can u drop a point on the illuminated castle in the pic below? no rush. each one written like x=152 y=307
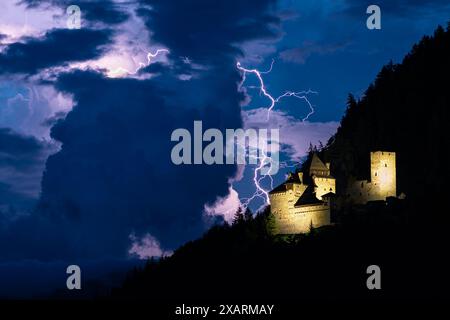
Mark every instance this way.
x=304 y=199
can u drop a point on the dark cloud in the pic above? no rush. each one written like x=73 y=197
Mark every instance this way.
x=17 y=150
x=56 y=48
x=22 y=159
x=208 y=30
x=113 y=176
x=12 y=204
x=105 y=11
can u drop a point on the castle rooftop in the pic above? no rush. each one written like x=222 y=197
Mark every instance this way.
x=317 y=164
x=308 y=198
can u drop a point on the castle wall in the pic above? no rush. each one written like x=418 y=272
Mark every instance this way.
x=361 y=191
x=279 y=203
x=324 y=185
x=283 y=202
x=298 y=220
x=383 y=180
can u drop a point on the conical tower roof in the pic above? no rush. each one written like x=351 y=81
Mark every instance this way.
x=317 y=164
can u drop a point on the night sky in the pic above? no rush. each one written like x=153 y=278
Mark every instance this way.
x=85 y=117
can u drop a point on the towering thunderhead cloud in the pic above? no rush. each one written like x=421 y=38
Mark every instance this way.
x=113 y=176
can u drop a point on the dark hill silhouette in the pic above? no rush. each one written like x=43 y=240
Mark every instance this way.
x=405 y=110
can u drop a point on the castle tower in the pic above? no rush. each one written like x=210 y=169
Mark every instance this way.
x=383 y=174
x=317 y=167
x=320 y=173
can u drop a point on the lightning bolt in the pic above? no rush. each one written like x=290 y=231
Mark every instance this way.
x=260 y=192
x=150 y=56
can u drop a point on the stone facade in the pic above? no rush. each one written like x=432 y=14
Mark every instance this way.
x=297 y=205
x=382 y=183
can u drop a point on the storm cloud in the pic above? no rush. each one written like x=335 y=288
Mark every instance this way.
x=56 y=48
x=105 y=11
x=22 y=159
x=209 y=31
x=113 y=176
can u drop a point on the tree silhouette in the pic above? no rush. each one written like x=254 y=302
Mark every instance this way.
x=238 y=216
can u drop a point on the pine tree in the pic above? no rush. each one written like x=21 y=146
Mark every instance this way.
x=270 y=222
x=312 y=230
x=238 y=216
x=248 y=215
x=351 y=102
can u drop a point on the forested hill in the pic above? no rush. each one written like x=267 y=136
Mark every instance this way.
x=405 y=110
